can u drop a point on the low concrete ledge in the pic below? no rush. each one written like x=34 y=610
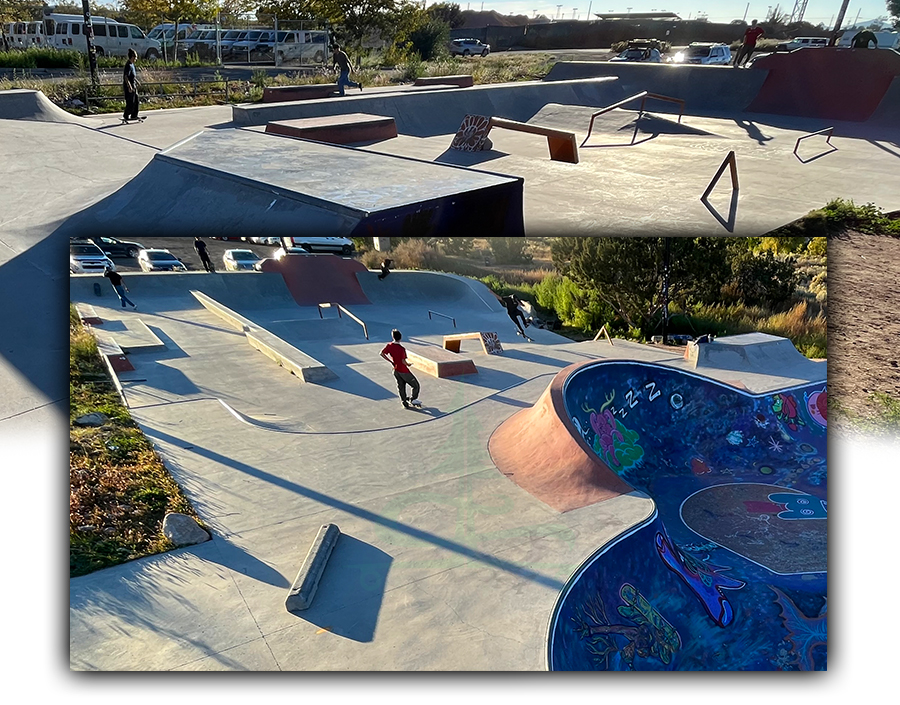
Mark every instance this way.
x=438 y=362
x=111 y=350
x=312 y=91
x=235 y=320
x=304 y=367
x=305 y=585
x=88 y=315
x=462 y=81
x=290 y=358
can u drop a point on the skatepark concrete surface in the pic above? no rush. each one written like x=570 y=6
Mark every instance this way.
x=443 y=563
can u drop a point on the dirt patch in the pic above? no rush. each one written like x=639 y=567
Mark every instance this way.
x=864 y=328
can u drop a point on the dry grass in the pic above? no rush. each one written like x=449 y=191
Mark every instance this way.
x=119 y=489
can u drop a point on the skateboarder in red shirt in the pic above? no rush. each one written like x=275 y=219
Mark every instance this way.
x=749 y=44
x=396 y=355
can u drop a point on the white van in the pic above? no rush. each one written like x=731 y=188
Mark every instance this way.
x=306 y=46
x=886 y=40
x=111 y=38
x=23 y=35
x=705 y=53
x=802 y=43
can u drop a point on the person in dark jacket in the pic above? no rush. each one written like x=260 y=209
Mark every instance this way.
x=200 y=246
x=129 y=87
x=118 y=286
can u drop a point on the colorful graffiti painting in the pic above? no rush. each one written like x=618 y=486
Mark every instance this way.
x=731 y=571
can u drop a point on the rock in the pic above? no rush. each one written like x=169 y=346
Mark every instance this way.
x=183 y=530
x=95 y=419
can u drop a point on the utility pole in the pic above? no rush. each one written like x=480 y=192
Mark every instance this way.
x=89 y=37
x=589 y=10
x=746 y=10
x=837 y=24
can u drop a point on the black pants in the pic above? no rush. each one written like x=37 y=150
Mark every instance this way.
x=384 y=273
x=404 y=378
x=515 y=315
x=131 y=106
x=207 y=263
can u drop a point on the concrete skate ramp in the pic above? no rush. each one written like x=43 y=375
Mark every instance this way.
x=234 y=182
x=706 y=90
x=319 y=279
x=417 y=288
x=238 y=290
x=888 y=111
x=829 y=83
x=733 y=564
x=440 y=112
x=25 y=104
x=757 y=353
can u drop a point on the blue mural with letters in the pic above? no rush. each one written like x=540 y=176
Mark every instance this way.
x=730 y=572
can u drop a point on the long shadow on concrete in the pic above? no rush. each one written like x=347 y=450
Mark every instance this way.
x=365 y=514
x=33 y=320
x=351 y=590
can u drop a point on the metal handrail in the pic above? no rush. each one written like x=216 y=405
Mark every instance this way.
x=341 y=310
x=729 y=161
x=829 y=130
x=444 y=315
x=603 y=331
x=643 y=95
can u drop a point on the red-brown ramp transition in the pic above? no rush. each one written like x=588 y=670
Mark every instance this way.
x=542 y=452
x=827 y=83
x=319 y=279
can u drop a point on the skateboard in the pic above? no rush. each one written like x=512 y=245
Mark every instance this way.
x=128 y=122
x=518 y=332
x=415 y=406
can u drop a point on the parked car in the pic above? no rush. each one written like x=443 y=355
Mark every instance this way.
x=230 y=37
x=469 y=47
x=802 y=43
x=306 y=46
x=113 y=246
x=275 y=241
x=335 y=245
x=87 y=258
x=639 y=52
x=240 y=49
x=157 y=260
x=283 y=252
x=236 y=260
x=706 y=53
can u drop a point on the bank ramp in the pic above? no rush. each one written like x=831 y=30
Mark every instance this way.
x=27 y=104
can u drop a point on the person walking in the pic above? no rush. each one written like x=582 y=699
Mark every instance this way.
x=118 y=286
x=751 y=35
x=200 y=246
x=385 y=269
x=395 y=353
x=129 y=87
x=340 y=59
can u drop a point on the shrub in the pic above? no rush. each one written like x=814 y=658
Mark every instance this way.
x=429 y=40
x=510 y=250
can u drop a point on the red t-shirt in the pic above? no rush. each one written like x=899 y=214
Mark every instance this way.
x=751 y=35
x=398 y=354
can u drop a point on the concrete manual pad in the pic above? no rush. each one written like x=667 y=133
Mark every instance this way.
x=230 y=182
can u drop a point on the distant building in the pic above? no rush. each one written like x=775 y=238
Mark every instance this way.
x=637 y=16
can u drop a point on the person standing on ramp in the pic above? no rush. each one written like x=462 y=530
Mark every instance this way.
x=200 y=246
x=341 y=59
x=118 y=286
x=129 y=87
x=752 y=33
x=395 y=353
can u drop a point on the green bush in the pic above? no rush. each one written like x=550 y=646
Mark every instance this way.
x=429 y=40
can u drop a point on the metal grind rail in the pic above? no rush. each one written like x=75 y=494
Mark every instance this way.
x=643 y=95
x=442 y=315
x=341 y=310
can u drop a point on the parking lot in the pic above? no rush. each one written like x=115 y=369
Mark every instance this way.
x=183 y=249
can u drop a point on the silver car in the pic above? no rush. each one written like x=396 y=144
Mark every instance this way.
x=469 y=47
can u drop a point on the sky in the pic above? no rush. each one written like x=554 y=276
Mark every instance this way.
x=716 y=10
